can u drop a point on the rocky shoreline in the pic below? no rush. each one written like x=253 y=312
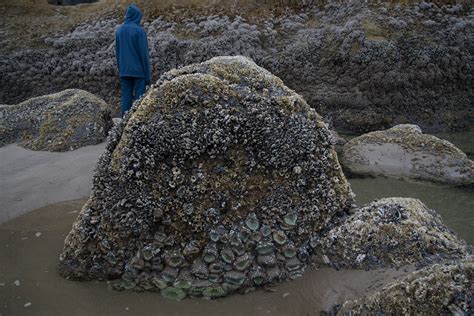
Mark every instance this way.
x=207 y=231
x=222 y=180
x=362 y=66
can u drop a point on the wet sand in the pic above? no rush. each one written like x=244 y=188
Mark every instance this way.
x=31 y=179
x=30 y=285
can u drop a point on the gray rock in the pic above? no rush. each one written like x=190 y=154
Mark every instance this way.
x=58 y=122
x=365 y=67
x=225 y=136
x=404 y=151
x=441 y=289
x=390 y=232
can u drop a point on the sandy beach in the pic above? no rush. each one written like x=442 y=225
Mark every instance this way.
x=30 y=285
x=42 y=194
x=32 y=179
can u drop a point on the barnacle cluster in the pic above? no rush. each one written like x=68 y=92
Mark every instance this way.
x=390 y=232
x=404 y=151
x=363 y=65
x=442 y=289
x=216 y=181
x=57 y=122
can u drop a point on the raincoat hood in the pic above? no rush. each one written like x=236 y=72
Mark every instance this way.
x=133 y=15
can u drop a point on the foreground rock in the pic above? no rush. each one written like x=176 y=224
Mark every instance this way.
x=57 y=122
x=404 y=151
x=391 y=232
x=215 y=182
x=441 y=289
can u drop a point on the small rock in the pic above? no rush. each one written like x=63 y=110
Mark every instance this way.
x=437 y=288
x=403 y=151
x=402 y=231
x=39 y=123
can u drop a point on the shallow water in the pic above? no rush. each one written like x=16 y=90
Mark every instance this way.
x=462 y=140
x=30 y=285
x=454 y=204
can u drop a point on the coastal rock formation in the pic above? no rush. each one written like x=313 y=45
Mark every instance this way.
x=390 y=232
x=403 y=151
x=363 y=66
x=338 y=140
x=215 y=182
x=440 y=289
x=58 y=122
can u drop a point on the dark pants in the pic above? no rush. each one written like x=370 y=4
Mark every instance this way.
x=130 y=85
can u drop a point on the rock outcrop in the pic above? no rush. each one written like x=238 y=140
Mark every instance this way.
x=364 y=66
x=390 y=232
x=440 y=289
x=403 y=151
x=215 y=182
x=58 y=122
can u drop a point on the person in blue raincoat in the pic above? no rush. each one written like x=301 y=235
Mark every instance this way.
x=133 y=60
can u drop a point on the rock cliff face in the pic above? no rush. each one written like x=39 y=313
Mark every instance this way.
x=215 y=182
x=363 y=67
x=69 y=2
x=403 y=151
x=57 y=122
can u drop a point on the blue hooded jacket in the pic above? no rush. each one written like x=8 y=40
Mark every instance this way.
x=131 y=47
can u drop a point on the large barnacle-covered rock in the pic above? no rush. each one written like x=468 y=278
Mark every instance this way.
x=57 y=122
x=440 y=289
x=403 y=151
x=390 y=232
x=216 y=181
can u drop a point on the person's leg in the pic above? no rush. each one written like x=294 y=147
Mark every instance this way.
x=126 y=85
x=139 y=88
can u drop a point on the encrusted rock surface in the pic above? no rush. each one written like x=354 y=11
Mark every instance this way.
x=403 y=151
x=363 y=66
x=440 y=289
x=215 y=182
x=338 y=140
x=390 y=232
x=57 y=122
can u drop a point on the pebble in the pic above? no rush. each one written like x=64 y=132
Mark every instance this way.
x=38 y=234
x=28 y=304
x=17 y=282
